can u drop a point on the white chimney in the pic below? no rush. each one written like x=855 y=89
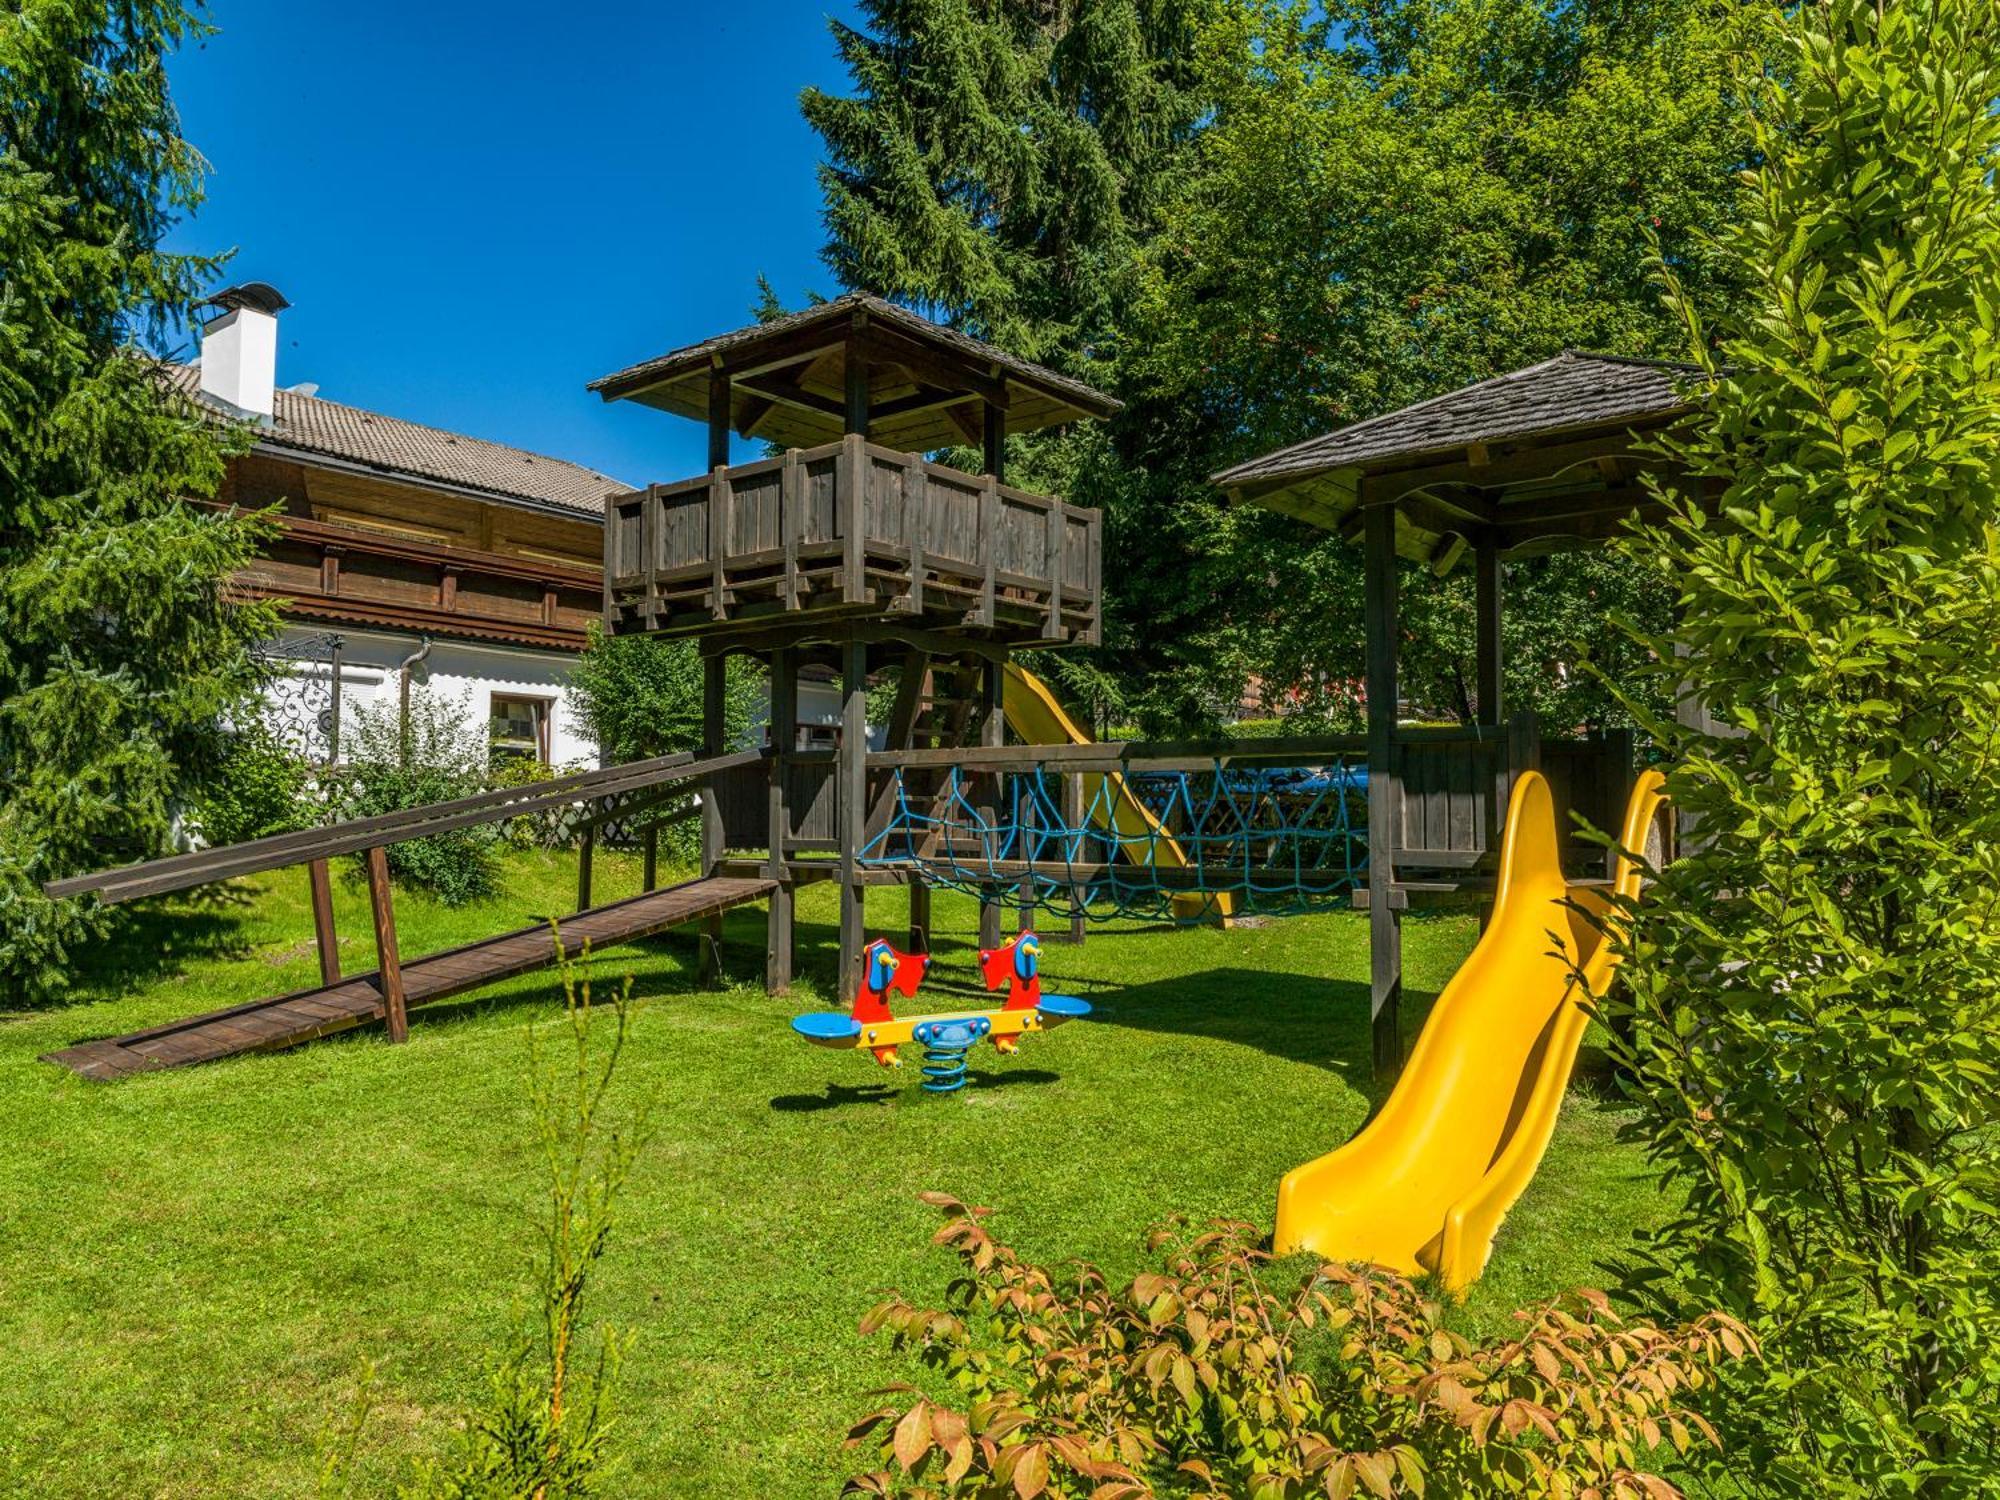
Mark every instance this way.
x=239 y=347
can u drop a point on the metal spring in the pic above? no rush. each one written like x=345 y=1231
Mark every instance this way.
x=944 y=1068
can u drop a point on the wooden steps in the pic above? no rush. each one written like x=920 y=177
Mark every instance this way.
x=287 y=1020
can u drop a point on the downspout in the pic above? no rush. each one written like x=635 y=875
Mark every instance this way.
x=403 y=701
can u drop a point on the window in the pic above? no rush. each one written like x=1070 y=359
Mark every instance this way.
x=520 y=728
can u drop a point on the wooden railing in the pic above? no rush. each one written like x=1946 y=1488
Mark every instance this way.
x=347 y=574
x=618 y=792
x=852 y=526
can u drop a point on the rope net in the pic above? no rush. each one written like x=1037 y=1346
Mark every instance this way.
x=1181 y=846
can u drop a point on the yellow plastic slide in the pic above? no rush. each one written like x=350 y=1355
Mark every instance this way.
x=1038 y=719
x=1426 y=1183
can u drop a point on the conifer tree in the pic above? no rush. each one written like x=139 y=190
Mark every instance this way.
x=1815 y=987
x=120 y=650
x=997 y=161
x=1253 y=221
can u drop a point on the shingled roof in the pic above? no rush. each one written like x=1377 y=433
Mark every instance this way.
x=1525 y=460
x=679 y=381
x=1576 y=391
x=409 y=450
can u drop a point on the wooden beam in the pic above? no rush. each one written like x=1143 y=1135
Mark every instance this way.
x=718 y=420
x=854 y=411
x=992 y=734
x=791 y=394
x=180 y=872
x=753 y=411
x=1487 y=610
x=325 y=938
x=926 y=398
x=388 y=963
x=778 y=927
x=714 y=697
x=993 y=441
x=934 y=367
x=968 y=423
x=1385 y=936
x=1523 y=461
x=852 y=799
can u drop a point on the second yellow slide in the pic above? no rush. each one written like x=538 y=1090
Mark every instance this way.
x=1427 y=1182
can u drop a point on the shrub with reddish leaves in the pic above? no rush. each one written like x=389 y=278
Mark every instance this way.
x=1200 y=1380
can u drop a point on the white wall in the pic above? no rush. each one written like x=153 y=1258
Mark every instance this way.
x=460 y=671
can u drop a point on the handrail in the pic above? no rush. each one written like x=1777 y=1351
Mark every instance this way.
x=182 y=871
x=1130 y=755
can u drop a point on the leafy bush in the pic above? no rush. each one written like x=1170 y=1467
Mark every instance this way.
x=1200 y=1380
x=1814 y=990
x=438 y=757
x=260 y=786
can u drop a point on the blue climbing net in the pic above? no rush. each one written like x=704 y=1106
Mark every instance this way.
x=1179 y=846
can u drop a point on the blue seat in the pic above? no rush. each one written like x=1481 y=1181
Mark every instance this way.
x=826 y=1026
x=1066 y=1006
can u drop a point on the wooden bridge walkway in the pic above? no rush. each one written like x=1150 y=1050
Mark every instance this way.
x=287 y=1020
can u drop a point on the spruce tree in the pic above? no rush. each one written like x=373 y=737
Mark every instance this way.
x=1814 y=1006
x=1252 y=222
x=997 y=162
x=120 y=649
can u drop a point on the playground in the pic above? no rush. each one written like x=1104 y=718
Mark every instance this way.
x=274 y=1223
x=1126 y=973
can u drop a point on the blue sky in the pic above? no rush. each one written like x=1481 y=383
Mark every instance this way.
x=476 y=208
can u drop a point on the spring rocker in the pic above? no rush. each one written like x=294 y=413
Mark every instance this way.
x=946 y=1038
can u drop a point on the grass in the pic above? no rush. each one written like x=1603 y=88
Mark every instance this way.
x=197 y=1264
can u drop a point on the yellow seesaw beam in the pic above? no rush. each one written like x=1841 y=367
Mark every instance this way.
x=1425 y=1185
x=902 y=1030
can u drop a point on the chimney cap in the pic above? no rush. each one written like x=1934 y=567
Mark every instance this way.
x=258 y=296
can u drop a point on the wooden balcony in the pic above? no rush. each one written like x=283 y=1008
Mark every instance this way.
x=851 y=529
x=353 y=577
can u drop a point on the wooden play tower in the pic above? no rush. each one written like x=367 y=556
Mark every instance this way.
x=849 y=550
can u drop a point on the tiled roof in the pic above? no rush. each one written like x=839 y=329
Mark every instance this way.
x=665 y=365
x=1575 y=391
x=311 y=424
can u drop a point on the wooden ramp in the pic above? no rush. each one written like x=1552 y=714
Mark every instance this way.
x=287 y=1020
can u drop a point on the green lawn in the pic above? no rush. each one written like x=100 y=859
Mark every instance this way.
x=197 y=1264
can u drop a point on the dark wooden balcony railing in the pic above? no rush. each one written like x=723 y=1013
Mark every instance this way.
x=342 y=573
x=857 y=528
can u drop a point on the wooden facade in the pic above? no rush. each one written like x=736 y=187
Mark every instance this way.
x=372 y=550
x=854 y=527
x=366 y=578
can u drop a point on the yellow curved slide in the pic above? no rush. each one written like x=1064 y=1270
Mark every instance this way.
x=1034 y=715
x=1426 y=1183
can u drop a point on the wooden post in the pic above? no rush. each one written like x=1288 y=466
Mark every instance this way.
x=1072 y=821
x=649 y=845
x=1489 y=665
x=389 y=965
x=920 y=916
x=324 y=936
x=586 y=851
x=852 y=800
x=854 y=361
x=719 y=395
x=784 y=734
x=992 y=734
x=1489 y=574
x=1385 y=931
x=995 y=446
x=714 y=690
x=1025 y=891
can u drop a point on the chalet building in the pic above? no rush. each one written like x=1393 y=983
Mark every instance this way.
x=468 y=566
